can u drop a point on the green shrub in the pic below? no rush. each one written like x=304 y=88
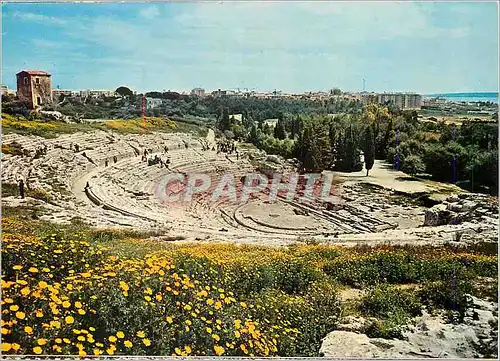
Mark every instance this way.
x=38 y=193
x=393 y=309
x=384 y=301
x=449 y=295
x=295 y=277
x=388 y=328
x=405 y=267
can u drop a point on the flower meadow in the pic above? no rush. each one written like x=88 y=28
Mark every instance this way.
x=77 y=294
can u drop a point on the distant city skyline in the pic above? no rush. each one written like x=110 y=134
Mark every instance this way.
x=293 y=47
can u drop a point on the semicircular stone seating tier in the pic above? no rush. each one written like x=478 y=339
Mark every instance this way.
x=70 y=156
x=125 y=190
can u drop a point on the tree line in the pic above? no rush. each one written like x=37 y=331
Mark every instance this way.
x=465 y=154
x=331 y=134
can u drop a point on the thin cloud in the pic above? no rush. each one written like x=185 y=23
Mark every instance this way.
x=288 y=45
x=44 y=44
x=150 y=12
x=39 y=18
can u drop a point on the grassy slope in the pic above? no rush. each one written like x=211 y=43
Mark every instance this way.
x=51 y=129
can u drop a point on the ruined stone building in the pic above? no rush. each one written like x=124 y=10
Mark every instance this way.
x=34 y=88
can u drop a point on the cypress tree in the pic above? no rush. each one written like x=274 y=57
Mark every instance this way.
x=279 y=130
x=333 y=143
x=382 y=145
x=253 y=134
x=369 y=148
x=224 y=122
x=295 y=127
x=350 y=157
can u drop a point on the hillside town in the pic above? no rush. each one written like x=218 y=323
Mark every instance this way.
x=34 y=87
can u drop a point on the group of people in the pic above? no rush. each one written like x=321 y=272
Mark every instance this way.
x=157 y=160
x=74 y=147
x=106 y=161
x=226 y=146
x=205 y=145
x=40 y=151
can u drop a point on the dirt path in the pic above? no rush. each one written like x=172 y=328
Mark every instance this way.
x=211 y=138
x=383 y=175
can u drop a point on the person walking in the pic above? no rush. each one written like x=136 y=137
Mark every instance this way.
x=21 y=188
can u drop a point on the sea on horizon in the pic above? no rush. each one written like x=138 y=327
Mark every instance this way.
x=467 y=97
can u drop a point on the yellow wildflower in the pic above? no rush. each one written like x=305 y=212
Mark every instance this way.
x=25 y=291
x=20 y=315
x=219 y=350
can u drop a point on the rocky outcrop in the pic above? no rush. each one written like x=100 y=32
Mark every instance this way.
x=350 y=344
x=437 y=215
x=461 y=208
x=54 y=115
x=274 y=159
x=428 y=336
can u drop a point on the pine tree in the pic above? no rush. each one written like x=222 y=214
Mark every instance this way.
x=369 y=148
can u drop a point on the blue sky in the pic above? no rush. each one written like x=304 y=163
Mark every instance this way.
x=418 y=46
